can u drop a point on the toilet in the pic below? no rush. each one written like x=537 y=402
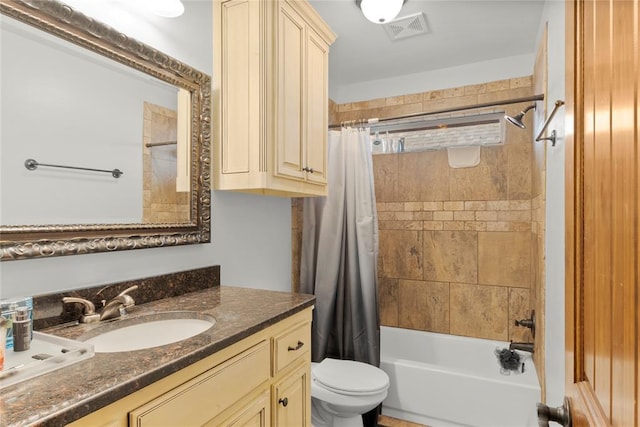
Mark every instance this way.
x=343 y=390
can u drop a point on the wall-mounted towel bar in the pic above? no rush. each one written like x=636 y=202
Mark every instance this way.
x=33 y=165
x=158 y=144
x=551 y=138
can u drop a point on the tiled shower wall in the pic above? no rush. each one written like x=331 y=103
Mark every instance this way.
x=456 y=245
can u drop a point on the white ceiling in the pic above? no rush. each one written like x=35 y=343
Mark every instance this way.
x=460 y=32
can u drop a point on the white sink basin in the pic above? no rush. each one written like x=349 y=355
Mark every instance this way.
x=148 y=331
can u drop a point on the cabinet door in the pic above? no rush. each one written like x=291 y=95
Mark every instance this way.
x=255 y=414
x=292 y=399
x=290 y=129
x=317 y=70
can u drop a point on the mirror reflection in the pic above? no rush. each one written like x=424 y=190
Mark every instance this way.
x=81 y=94
x=65 y=105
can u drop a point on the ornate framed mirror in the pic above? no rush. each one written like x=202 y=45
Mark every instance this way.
x=73 y=129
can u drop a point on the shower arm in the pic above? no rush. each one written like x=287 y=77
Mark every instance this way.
x=552 y=138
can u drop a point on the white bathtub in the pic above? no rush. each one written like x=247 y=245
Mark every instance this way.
x=444 y=380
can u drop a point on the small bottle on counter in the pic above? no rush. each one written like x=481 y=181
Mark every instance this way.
x=22 y=330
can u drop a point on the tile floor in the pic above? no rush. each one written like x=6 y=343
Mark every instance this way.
x=384 y=421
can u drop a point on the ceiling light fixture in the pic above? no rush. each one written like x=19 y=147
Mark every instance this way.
x=380 y=11
x=166 y=8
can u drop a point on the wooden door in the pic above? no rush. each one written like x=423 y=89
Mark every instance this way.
x=602 y=207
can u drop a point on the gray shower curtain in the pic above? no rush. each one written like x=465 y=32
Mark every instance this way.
x=339 y=254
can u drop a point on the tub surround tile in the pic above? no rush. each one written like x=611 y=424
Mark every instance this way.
x=504 y=258
x=423 y=176
x=388 y=301
x=400 y=254
x=487 y=181
x=479 y=311
x=385 y=176
x=519 y=171
x=451 y=256
x=425 y=305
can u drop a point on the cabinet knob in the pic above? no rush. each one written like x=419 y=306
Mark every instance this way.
x=284 y=402
x=306 y=169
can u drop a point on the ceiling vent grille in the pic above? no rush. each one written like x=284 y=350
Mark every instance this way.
x=407 y=26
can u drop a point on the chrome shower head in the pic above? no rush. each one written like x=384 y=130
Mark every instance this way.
x=517 y=119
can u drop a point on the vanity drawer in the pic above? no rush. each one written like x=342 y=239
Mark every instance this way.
x=200 y=399
x=291 y=345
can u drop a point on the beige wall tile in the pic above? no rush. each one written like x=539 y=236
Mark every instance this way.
x=452 y=225
x=433 y=225
x=504 y=258
x=454 y=92
x=388 y=301
x=519 y=171
x=475 y=89
x=394 y=100
x=423 y=176
x=503 y=95
x=398 y=110
x=424 y=216
x=432 y=206
x=451 y=256
x=413 y=98
x=413 y=206
x=487 y=181
x=399 y=225
x=454 y=206
x=443 y=216
x=385 y=177
x=446 y=103
x=425 y=305
x=479 y=311
x=486 y=215
x=475 y=206
x=519 y=308
x=400 y=254
x=498 y=85
x=521 y=82
x=464 y=216
x=433 y=95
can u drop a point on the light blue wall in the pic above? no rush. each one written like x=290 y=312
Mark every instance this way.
x=251 y=235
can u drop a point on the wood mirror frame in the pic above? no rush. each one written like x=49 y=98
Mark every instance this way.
x=33 y=241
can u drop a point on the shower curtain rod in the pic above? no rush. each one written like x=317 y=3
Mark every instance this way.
x=376 y=121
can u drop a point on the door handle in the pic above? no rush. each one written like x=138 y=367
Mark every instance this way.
x=284 y=402
x=560 y=415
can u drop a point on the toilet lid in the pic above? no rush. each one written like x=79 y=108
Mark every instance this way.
x=349 y=377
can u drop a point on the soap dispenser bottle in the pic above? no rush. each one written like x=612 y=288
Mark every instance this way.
x=22 y=330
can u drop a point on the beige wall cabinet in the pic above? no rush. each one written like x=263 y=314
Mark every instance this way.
x=270 y=88
x=263 y=380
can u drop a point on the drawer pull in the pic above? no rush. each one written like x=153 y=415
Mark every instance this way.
x=284 y=402
x=297 y=347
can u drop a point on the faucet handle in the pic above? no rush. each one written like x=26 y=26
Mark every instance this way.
x=125 y=298
x=89 y=314
x=126 y=291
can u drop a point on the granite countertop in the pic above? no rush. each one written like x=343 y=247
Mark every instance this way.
x=72 y=392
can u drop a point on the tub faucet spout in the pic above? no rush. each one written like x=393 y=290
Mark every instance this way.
x=522 y=346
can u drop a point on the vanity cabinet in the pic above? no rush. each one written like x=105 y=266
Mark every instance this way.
x=270 y=88
x=263 y=380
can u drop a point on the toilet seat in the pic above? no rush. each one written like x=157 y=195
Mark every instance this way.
x=350 y=378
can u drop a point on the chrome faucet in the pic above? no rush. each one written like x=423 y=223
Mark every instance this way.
x=89 y=314
x=117 y=307
x=522 y=346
